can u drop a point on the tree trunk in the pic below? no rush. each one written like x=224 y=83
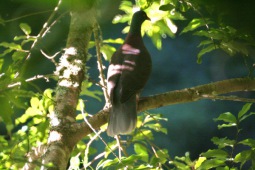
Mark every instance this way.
x=71 y=71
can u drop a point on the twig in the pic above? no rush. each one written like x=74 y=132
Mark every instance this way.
x=100 y=66
x=42 y=33
x=97 y=134
x=231 y=98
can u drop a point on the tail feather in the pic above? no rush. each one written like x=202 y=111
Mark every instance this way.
x=123 y=117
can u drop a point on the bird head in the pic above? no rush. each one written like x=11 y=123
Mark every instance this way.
x=138 y=18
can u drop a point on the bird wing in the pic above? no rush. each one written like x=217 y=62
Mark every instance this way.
x=136 y=68
x=129 y=69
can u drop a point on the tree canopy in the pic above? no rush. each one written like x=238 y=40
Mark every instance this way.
x=54 y=107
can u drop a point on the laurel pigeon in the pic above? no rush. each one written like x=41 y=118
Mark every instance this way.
x=128 y=72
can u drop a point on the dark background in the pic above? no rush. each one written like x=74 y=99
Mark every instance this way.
x=190 y=125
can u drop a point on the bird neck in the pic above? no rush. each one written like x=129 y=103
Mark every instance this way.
x=134 y=39
x=135 y=28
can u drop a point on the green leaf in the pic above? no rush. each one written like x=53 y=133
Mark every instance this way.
x=215 y=153
x=226 y=125
x=213 y=163
x=22 y=37
x=96 y=94
x=223 y=142
x=243 y=156
x=25 y=28
x=227 y=117
x=246 y=116
x=13 y=46
x=161 y=156
x=34 y=102
x=74 y=162
x=6 y=112
x=244 y=110
x=114 y=41
x=199 y=162
x=205 y=50
x=248 y=142
x=107 y=51
x=18 y=55
x=157 y=127
x=196 y=23
x=142 y=151
x=6 y=52
x=205 y=42
x=166 y=7
x=141 y=134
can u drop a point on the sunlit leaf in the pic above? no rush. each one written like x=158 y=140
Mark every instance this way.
x=13 y=46
x=248 y=142
x=196 y=23
x=215 y=153
x=226 y=117
x=34 y=102
x=199 y=162
x=243 y=156
x=142 y=151
x=114 y=41
x=74 y=162
x=80 y=105
x=213 y=163
x=226 y=125
x=25 y=28
x=107 y=51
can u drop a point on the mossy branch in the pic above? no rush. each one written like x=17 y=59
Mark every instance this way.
x=208 y=91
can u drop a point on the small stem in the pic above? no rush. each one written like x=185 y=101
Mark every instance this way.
x=100 y=66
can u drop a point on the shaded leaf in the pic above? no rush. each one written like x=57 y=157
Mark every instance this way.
x=166 y=7
x=223 y=142
x=18 y=55
x=244 y=110
x=205 y=50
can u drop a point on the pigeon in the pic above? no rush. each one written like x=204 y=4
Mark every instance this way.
x=128 y=72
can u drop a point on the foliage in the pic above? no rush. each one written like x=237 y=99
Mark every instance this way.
x=30 y=129
x=230 y=153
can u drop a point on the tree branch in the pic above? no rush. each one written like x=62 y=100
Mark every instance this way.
x=176 y=97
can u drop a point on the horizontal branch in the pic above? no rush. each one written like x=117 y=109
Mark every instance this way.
x=196 y=93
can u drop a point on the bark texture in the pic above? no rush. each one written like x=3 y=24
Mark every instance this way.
x=71 y=71
x=213 y=91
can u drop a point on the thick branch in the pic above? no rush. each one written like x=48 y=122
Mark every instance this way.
x=175 y=97
x=71 y=70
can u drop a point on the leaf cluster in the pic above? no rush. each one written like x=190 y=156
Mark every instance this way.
x=230 y=153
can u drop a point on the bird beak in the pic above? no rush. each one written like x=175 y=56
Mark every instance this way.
x=148 y=18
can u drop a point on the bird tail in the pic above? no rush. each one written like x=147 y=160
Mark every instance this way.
x=123 y=117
